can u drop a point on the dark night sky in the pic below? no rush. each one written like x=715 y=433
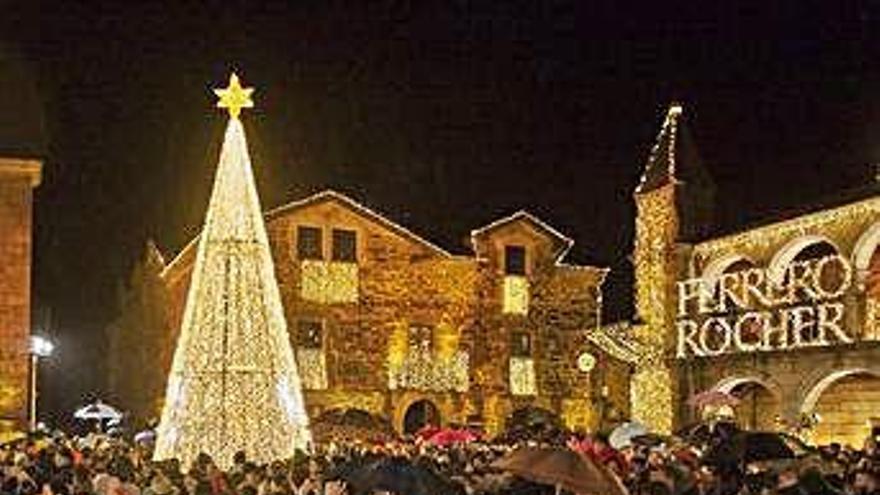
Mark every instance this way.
x=442 y=117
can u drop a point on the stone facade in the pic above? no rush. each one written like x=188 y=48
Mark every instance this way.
x=835 y=383
x=382 y=319
x=17 y=180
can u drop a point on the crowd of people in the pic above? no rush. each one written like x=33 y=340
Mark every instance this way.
x=57 y=464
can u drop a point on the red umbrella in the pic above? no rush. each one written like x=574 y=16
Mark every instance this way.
x=715 y=398
x=450 y=436
x=427 y=432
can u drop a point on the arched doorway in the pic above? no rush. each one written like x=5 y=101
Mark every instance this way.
x=420 y=414
x=760 y=405
x=844 y=403
x=758 y=408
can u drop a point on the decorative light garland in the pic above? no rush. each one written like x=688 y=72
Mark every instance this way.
x=328 y=282
x=516 y=295
x=425 y=371
x=312 y=365
x=522 y=376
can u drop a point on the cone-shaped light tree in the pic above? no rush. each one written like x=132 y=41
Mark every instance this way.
x=233 y=383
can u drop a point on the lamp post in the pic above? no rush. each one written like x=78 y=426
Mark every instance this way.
x=40 y=347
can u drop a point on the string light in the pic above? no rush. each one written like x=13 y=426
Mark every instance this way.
x=522 y=376
x=423 y=370
x=233 y=383
x=312 y=364
x=328 y=282
x=516 y=295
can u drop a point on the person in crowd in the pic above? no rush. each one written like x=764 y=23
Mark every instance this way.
x=62 y=465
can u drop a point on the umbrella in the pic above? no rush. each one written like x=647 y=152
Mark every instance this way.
x=395 y=475
x=622 y=436
x=749 y=447
x=451 y=436
x=146 y=436
x=762 y=446
x=562 y=468
x=98 y=411
x=713 y=398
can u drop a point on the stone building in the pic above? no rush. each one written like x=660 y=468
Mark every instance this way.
x=783 y=315
x=18 y=177
x=22 y=141
x=385 y=321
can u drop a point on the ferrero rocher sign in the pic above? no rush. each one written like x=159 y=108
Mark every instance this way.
x=756 y=310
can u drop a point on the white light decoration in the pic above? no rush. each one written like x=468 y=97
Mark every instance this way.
x=41 y=346
x=233 y=383
x=522 y=376
x=423 y=370
x=516 y=295
x=312 y=368
x=329 y=282
x=586 y=362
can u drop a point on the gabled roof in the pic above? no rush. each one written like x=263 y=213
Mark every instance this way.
x=563 y=242
x=342 y=199
x=674 y=157
x=326 y=195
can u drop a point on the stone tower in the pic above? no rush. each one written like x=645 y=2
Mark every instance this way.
x=22 y=143
x=674 y=203
x=17 y=179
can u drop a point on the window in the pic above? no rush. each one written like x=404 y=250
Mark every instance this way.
x=344 y=245
x=308 y=243
x=514 y=260
x=309 y=334
x=520 y=344
x=421 y=337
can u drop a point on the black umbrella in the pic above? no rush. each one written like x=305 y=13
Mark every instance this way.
x=748 y=446
x=756 y=446
x=395 y=475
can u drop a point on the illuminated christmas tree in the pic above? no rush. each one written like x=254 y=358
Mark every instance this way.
x=233 y=383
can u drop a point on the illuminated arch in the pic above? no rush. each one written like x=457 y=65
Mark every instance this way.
x=761 y=406
x=815 y=391
x=864 y=250
x=785 y=255
x=727 y=385
x=718 y=266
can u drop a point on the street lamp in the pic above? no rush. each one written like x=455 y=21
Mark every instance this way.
x=40 y=347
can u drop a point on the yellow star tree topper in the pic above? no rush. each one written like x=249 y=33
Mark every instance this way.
x=234 y=97
x=234 y=384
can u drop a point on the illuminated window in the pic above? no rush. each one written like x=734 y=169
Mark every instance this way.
x=520 y=344
x=309 y=334
x=514 y=260
x=516 y=295
x=344 y=245
x=308 y=243
x=421 y=337
x=522 y=376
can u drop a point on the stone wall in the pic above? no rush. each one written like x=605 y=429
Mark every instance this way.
x=17 y=179
x=845 y=410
